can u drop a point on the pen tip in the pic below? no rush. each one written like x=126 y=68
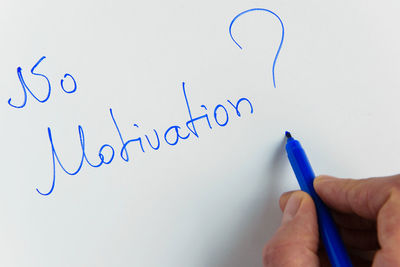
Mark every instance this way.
x=288 y=135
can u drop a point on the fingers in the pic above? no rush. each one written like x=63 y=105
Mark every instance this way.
x=356 y=232
x=353 y=221
x=373 y=198
x=361 y=240
x=296 y=241
x=363 y=197
x=349 y=220
x=284 y=198
x=389 y=232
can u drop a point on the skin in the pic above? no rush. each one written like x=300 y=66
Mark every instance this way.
x=366 y=211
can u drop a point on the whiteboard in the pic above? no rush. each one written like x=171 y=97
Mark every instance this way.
x=122 y=73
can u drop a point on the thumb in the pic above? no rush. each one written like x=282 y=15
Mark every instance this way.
x=296 y=241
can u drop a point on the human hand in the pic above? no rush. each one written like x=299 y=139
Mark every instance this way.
x=366 y=211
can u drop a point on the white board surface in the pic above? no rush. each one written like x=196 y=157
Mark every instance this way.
x=210 y=200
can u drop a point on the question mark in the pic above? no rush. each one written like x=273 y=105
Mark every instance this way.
x=280 y=44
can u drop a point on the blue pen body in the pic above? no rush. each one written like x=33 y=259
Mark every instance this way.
x=305 y=176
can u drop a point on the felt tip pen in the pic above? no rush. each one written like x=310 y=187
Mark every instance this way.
x=334 y=246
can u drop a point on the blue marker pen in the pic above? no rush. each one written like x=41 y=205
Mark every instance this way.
x=334 y=246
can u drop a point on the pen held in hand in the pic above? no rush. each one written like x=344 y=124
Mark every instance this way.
x=334 y=246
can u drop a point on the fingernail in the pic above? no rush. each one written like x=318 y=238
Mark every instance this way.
x=284 y=199
x=291 y=208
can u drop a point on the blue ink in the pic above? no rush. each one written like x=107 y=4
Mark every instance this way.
x=191 y=121
x=62 y=84
x=126 y=158
x=44 y=76
x=124 y=151
x=176 y=128
x=54 y=158
x=280 y=44
x=172 y=132
x=82 y=140
x=208 y=121
x=140 y=139
x=25 y=87
x=83 y=157
x=158 y=141
x=101 y=156
x=190 y=113
x=125 y=144
x=236 y=107
x=215 y=115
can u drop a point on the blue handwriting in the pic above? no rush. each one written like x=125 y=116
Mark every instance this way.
x=25 y=87
x=172 y=136
x=280 y=44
